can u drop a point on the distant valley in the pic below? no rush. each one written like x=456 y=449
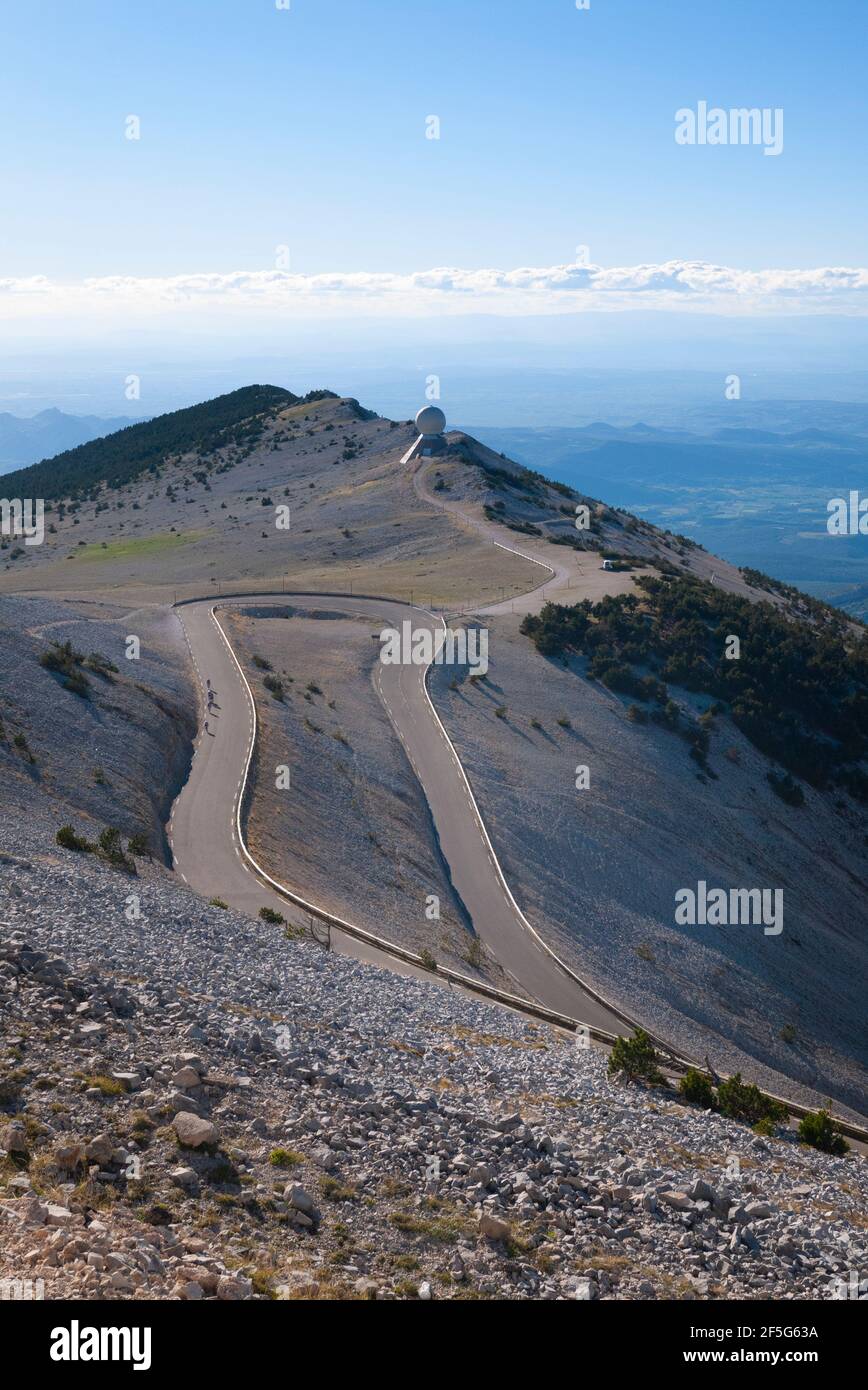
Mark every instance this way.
x=756 y=496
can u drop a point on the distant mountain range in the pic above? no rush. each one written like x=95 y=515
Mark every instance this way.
x=27 y=439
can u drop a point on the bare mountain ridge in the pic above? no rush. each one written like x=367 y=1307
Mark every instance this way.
x=261 y=445
x=360 y=518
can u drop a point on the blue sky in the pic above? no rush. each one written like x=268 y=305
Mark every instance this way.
x=263 y=127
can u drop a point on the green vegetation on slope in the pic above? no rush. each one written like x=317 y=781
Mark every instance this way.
x=137 y=547
x=798 y=691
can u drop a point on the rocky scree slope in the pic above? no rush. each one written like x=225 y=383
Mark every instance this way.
x=93 y=737
x=195 y=1108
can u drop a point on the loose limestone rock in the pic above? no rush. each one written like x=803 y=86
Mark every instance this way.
x=194 y=1132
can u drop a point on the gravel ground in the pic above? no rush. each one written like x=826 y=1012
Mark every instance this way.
x=195 y=1108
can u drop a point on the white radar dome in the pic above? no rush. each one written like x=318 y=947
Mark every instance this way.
x=431 y=420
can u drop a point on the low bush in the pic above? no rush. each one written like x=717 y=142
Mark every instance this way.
x=62 y=659
x=101 y=665
x=110 y=847
x=285 y=1158
x=741 y=1100
x=77 y=683
x=20 y=742
x=273 y=918
x=635 y=1058
x=68 y=839
x=820 y=1132
x=696 y=1088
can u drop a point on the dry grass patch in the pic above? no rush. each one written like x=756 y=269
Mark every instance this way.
x=469 y=1035
x=438 y=1223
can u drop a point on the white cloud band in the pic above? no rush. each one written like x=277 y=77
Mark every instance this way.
x=673 y=284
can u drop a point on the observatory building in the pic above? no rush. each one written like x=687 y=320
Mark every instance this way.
x=430 y=422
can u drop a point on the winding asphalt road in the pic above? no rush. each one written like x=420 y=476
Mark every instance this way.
x=205 y=830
